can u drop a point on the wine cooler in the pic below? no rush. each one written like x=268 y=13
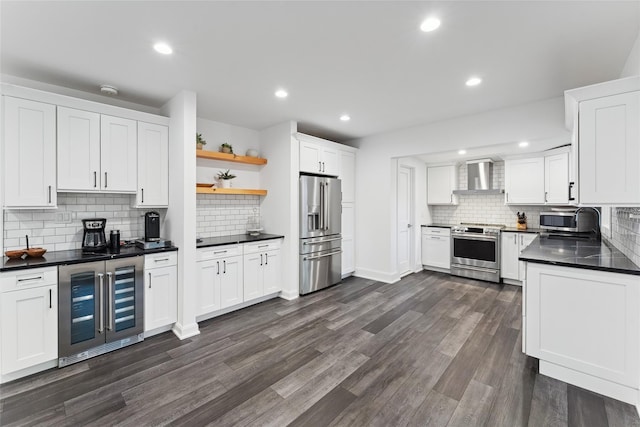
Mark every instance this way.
x=100 y=308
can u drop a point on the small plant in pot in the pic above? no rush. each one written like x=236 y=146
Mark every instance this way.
x=226 y=148
x=200 y=143
x=224 y=179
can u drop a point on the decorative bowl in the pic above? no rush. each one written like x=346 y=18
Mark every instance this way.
x=15 y=254
x=35 y=252
x=252 y=152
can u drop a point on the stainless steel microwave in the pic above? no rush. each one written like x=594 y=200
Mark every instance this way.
x=582 y=222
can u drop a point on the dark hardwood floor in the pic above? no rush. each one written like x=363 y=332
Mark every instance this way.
x=430 y=350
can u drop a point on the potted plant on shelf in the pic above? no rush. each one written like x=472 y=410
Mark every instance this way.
x=226 y=148
x=224 y=179
x=199 y=141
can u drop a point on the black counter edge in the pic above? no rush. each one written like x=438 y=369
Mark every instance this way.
x=582 y=266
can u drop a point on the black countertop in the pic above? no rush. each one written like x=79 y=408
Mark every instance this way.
x=592 y=255
x=235 y=239
x=440 y=225
x=528 y=230
x=51 y=259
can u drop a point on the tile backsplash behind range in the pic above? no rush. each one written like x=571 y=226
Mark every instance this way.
x=61 y=229
x=484 y=208
x=224 y=215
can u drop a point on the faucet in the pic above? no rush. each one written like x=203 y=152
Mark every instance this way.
x=597 y=229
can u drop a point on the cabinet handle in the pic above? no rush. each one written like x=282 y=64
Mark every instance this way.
x=95 y=179
x=260 y=259
x=161 y=260
x=545 y=197
x=323 y=167
x=219 y=252
x=28 y=279
x=266 y=259
x=507 y=194
x=571 y=184
x=450 y=198
x=49 y=194
x=521 y=240
x=105 y=180
x=50 y=303
x=515 y=239
x=149 y=280
x=264 y=246
x=218 y=262
x=319 y=166
x=142 y=195
x=101 y=302
x=224 y=267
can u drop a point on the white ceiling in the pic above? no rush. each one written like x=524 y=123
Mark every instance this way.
x=364 y=58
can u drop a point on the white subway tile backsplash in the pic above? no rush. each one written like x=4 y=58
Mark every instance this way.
x=52 y=230
x=224 y=215
x=625 y=232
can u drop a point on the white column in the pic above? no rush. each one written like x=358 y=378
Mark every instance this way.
x=180 y=222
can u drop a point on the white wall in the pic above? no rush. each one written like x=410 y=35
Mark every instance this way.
x=541 y=123
x=279 y=208
x=180 y=222
x=632 y=66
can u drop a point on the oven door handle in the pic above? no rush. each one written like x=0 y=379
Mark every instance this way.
x=473 y=236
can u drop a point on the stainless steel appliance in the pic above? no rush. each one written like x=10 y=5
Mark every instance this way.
x=581 y=220
x=93 y=239
x=100 y=308
x=151 y=226
x=475 y=251
x=320 y=228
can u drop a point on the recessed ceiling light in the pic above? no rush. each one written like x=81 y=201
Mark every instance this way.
x=109 y=90
x=281 y=93
x=163 y=48
x=523 y=144
x=345 y=117
x=473 y=81
x=430 y=24
x=461 y=152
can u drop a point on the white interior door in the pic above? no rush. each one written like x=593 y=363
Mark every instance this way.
x=405 y=220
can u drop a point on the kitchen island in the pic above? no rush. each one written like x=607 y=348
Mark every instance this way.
x=581 y=315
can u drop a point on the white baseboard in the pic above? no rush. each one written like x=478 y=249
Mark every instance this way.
x=606 y=388
x=289 y=295
x=184 y=332
x=240 y=306
x=376 y=275
x=28 y=371
x=512 y=282
x=157 y=331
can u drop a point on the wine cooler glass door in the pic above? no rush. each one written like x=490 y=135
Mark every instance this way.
x=125 y=303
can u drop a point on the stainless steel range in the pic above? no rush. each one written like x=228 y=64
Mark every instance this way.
x=475 y=251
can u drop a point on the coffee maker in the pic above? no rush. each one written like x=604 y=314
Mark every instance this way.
x=93 y=239
x=152 y=238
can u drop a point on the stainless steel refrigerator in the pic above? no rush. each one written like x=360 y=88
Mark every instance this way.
x=320 y=228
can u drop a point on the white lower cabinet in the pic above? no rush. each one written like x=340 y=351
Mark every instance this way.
x=584 y=326
x=511 y=244
x=28 y=320
x=220 y=278
x=262 y=269
x=436 y=247
x=160 y=291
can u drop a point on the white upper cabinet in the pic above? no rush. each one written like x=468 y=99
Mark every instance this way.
x=319 y=158
x=441 y=181
x=29 y=154
x=609 y=150
x=556 y=179
x=347 y=175
x=96 y=152
x=78 y=150
x=153 y=165
x=118 y=154
x=524 y=181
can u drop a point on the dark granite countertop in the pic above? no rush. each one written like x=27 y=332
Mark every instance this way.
x=528 y=230
x=51 y=259
x=235 y=239
x=439 y=225
x=592 y=255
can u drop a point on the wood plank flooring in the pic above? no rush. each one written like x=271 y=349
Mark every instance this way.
x=431 y=349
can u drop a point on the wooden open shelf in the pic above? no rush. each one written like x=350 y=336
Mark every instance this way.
x=215 y=155
x=245 y=191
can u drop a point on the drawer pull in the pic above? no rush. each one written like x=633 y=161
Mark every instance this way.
x=263 y=246
x=29 y=279
x=161 y=260
x=219 y=252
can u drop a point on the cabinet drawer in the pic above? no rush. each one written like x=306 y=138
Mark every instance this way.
x=162 y=259
x=31 y=278
x=436 y=231
x=216 y=252
x=266 y=245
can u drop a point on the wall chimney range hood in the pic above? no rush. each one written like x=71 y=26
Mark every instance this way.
x=479 y=178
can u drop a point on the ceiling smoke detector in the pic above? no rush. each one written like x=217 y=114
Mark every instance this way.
x=109 y=90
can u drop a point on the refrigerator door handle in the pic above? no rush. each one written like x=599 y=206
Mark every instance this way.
x=110 y=299
x=101 y=302
x=321 y=206
x=326 y=207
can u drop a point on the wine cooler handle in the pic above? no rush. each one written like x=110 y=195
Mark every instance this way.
x=101 y=302
x=110 y=299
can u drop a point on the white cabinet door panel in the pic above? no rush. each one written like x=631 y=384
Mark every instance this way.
x=208 y=286
x=348 y=176
x=29 y=153
x=441 y=181
x=524 y=181
x=310 y=157
x=153 y=165
x=78 y=150
x=556 y=179
x=160 y=297
x=231 y=281
x=272 y=273
x=509 y=250
x=118 y=154
x=330 y=161
x=253 y=276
